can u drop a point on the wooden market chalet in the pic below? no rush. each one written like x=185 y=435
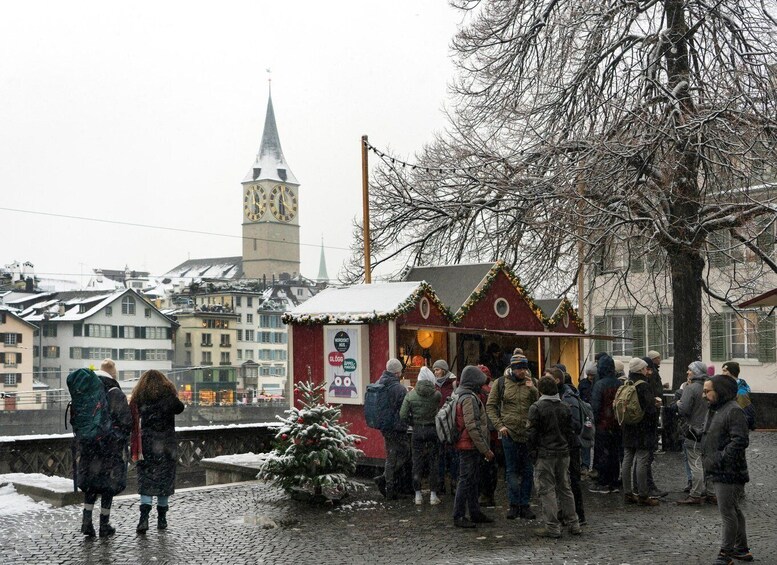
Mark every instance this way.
x=461 y=313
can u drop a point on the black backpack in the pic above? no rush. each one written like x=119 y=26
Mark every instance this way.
x=377 y=408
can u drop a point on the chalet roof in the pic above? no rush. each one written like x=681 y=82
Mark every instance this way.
x=548 y=305
x=453 y=284
x=768 y=298
x=13 y=314
x=359 y=303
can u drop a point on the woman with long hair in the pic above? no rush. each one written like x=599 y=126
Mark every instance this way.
x=154 y=405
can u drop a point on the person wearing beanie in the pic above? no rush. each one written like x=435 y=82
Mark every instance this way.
x=725 y=438
x=508 y=410
x=419 y=409
x=693 y=410
x=472 y=445
x=639 y=439
x=654 y=381
x=489 y=470
x=731 y=369
x=445 y=382
x=394 y=432
x=607 y=439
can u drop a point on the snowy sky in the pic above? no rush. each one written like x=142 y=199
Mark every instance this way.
x=152 y=113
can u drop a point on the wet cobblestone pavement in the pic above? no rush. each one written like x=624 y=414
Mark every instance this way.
x=226 y=524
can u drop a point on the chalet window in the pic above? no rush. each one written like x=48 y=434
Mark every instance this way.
x=743 y=335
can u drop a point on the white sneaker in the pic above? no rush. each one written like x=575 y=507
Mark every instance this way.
x=418 y=499
x=434 y=500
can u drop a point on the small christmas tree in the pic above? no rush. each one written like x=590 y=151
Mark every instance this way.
x=315 y=454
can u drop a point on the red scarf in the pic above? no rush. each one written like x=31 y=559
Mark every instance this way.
x=136 y=446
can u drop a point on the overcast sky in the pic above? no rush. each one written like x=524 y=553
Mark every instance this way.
x=152 y=113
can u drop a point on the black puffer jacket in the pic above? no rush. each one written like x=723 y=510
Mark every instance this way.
x=396 y=395
x=726 y=436
x=550 y=428
x=643 y=434
x=156 y=471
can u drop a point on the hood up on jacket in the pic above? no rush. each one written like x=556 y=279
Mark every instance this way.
x=725 y=387
x=425 y=385
x=472 y=379
x=425 y=374
x=606 y=367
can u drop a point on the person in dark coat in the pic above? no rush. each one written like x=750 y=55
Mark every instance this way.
x=102 y=463
x=608 y=439
x=654 y=382
x=725 y=438
x=394 y=433
x=639 y=438
x=154 y=405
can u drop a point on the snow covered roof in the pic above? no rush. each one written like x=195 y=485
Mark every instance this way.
x=270 y=163
x=209 y=268
x=16 y=315
x=454 y=284
x=359 y=303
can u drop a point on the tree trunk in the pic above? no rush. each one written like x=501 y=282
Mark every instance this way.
x=687 y=268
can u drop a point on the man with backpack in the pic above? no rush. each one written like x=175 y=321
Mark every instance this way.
x=472 y=444
x=508 y=409
x=445 y=383
x=102 y=423
x=635 y=408
x=731 y=369
x=393 y=429
x=608 y=438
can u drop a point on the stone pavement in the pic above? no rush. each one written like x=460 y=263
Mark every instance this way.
x=225 y=525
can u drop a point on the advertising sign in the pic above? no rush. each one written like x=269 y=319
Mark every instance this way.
x=346 y=363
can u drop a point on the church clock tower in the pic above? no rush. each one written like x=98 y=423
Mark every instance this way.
x=270 y=210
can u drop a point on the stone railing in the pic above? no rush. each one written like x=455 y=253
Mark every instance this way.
x=53 y=455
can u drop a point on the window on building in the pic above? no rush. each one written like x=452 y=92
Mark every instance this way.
x=264 y=337
x=299 y=292
x=240 y=335
x=249 y=301
x=108 y=311
x=10 y=339
x=743 y=335
x=128 y=305
x=148 y=312
x=250 y=335
x=12 y=379
x=249 y=318
x=224 y=340
x=239 y=354
x=156 y=332
x=99 y=330
x=223 y=376
x=127 y=354
x=188 y=339
x=629 y=332
x=660 y=334
x=279 y=337
x=129 y=332
x=100 y=353
x=188 y=358
x=11 y=359
x=206 y=340
x=49 y=330
x=249 y=354
x=238 y=301
x=76 y=353
x=157 y=354
x=225 y=358
x=206 y=358
x=270 y=321
x=78 y=330
x=207 y=376
x=50 y=352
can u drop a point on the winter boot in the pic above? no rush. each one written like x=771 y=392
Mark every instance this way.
x=87 y=528
x=105 y=528
x=145 y=510
x=161 y=517
x=434 y=499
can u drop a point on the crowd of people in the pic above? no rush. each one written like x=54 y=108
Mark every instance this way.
x=540 y=429
x=142 y=430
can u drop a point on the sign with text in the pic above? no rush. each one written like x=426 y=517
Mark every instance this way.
x=346 y=363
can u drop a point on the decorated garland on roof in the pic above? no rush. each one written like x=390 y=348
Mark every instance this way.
x=476 y=296
x=566 y=308
x=374 y=318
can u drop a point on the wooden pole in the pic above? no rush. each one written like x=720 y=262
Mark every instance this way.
x=366 y=213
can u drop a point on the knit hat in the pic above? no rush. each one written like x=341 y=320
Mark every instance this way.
x=636 y=365
x=590 y=369
x=562 y=367
x=425 y=374
x=518 y=351
x=441 y=364
x=653 y=354
x=698 y=369
x=619 y=367
x=733 y=368
x=394 y=366
x=710 y=370
x=486 y=371
x=519 y=362
x=725 y=387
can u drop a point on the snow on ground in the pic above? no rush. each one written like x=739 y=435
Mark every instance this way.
x=13 y=503
x=54 y=484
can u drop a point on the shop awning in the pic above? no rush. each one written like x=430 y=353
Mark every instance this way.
x=522 y=333
x=766 y=299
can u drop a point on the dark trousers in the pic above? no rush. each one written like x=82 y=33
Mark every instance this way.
x=519 y=471
x=574 y=480
x=734 y=524
x=607 y=446
x=426 y=451
x=397 y=454
x=489 y=471
x=467 y=486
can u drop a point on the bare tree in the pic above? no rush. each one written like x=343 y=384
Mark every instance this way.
x=581 y=125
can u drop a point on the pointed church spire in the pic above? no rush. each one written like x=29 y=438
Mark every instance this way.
x=270 y=162
x=323 y=276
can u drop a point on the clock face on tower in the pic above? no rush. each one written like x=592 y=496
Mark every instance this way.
x=283 y=203
x=254 y=202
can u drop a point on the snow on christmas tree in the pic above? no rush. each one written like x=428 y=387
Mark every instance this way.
x=315 y=454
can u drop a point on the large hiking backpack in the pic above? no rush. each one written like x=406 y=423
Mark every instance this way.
x=377 y=408
x=445 y=420
x=89 y=414
x=626 y=405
